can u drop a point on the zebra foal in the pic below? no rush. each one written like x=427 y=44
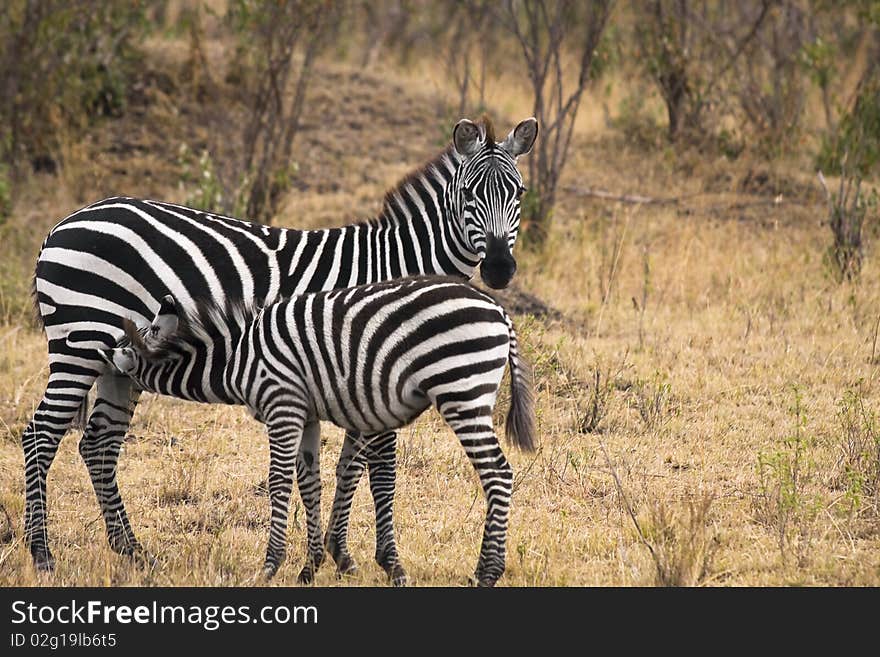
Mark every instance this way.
x=370 y=359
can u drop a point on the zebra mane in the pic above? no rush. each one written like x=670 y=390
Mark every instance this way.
x=207 y=322
x=438 y=162
x=489 y=128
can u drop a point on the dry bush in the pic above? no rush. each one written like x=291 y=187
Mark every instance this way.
x=786 y=502
x=855 y=152
x=856 y=442
x=45 y=90
x=681 y=544
x=471 y=43
x=683 y=541
x=186 y=478
x=273 y=82
x=595 y=407
x=653 y=400
x=737 y=75
x=688 y=47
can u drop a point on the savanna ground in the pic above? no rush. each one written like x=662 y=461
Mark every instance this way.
x=704 y=394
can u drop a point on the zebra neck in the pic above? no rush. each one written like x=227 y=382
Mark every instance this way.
x=415 y=233
x=418 y=231
x=393 y=245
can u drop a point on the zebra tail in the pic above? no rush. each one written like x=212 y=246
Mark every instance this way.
x=34 y=298
x=520 y=425
x=38 y=316
x=82 y=415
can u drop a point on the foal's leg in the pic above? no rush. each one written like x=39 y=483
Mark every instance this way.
x=382 y=459
x=351 y=465
x=108 y=424
x=380 y=451
x=308 y=477
x=285 y=426
x=472 y=424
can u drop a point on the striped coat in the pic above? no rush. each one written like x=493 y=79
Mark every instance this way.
x=116 y=259
x=370 y=359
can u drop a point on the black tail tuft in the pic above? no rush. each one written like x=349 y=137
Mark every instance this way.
x=520 y=425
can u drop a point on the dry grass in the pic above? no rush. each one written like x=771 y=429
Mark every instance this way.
x=700 y=319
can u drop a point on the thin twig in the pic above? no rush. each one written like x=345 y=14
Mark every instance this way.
x=628 y=505
x=824 y=184
x=612 y=275
x=644 y=199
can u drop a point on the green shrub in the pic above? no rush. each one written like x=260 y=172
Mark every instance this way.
x=785 y=503
x=62 y=64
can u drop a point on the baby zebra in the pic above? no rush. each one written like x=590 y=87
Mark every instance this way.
x=370 y=359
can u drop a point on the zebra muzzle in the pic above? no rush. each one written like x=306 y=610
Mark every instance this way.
x=499 y=265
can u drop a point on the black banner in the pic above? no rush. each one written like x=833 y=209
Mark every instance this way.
x=104 y=619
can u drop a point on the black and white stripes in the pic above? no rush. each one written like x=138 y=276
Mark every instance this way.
x=370 y=359
x=116 y=259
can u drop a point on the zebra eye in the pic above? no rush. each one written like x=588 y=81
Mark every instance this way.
x=468 y=194
x=522 y=190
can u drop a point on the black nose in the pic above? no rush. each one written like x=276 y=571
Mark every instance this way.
x=498 y=266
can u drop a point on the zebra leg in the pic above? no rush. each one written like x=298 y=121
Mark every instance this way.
x=352 y=462
x=285 y=431
x=382 y=460
x=308 y=479
x=380 y=452
x=105 y=432
x=477 y=436
x=64 y=394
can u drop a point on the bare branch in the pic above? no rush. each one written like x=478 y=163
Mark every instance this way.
x=822 y=182
x=623 y=198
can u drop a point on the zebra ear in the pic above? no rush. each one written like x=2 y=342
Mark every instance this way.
x=166 y=321
x=107 y=356
x=467 y=137
x=120 y=359
x=521 y=138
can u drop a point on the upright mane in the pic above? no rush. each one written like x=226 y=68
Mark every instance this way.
x=489 y=129
x=443 y=160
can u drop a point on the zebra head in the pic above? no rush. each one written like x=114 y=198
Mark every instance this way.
x=485 y=194
x=138 y=345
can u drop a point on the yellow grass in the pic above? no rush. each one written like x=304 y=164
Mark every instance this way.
x=701 y=321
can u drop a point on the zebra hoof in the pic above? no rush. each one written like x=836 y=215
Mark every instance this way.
x=398 y=575
x=146 y=559
x=268 y=571
x=44 y=563
x=346 y=567
x=306 y=576
x=482 y=582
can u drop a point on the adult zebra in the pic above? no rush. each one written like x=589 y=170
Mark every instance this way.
x=116 y=259
x=370 y=359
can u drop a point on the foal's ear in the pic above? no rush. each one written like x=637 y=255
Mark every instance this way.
x=166 y=321
x=120 y=359
x=521 y=138
x=107 y=356
x=467 y=137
